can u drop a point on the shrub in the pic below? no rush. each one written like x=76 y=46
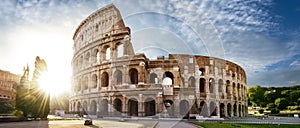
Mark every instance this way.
x=18 y=113
x=274 y=111
x=261 y=111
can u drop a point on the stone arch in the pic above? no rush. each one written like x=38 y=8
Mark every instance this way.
x=118 y=106
x=213 y=108
x=118 y=76
x=222 y=110
x=202 y=85
x=81 y=61
x=229 y=110
x=133 y=107
x=85 y=83
x=238 y=90
x=184 y=107
x=169 y=75
x=182 y=82
x=96 y=56
x=78 y=108
x=94 y=81
x=169 y=106
x=234 y=91
x=149 y=107
x=104 y=79
x=202 y=70
x=211 y=85
x=107 y=53
x=133 y=74
x=192 y=82
x=85 y=106
x=153 y=78
x=220 y=82
x=104 y=107
x=228 y=87
x=240 y=110
x=234 y=109
x=87 y=59
x=93 y=107
x=120 y=50
x=203 y=109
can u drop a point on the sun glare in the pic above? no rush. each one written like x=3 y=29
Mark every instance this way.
x=50 y=83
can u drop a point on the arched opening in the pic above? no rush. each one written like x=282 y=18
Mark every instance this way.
x=222 y=110
x=228 y=88
x=203 y=109
x=87 y=60
x=104 y=79
x=94 y=81
x=85 y=83
x=169 y=75
x=169 y=107
x=238 y=91
x=153 y=78
x=149 y=107
x=194 y=109
x=234 y=91
x=229 y=110
x=220 y=86
x=182 y=82
x=240 y=110
x=184 y=108
x=78 y=108
x=235 y=110
x=118 y=106
x=81 y=62
x=202 y=85
x=132 y=107
x=211 y=85
x=213 y=109
x=93 y=108
x=96 y=56
x=107 y=53
x=118 y=77
x=192 y=82
x=133 y=73
x=202 y=71
x=120 y=50
x=85 y=106
x=104 y=107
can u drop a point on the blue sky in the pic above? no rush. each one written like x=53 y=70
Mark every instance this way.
x=263 y=36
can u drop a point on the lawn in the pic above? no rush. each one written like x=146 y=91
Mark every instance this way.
x=229 y=125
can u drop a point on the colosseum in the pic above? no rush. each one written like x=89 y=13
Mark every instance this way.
x=109 y=79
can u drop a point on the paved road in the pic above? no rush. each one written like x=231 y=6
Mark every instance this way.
x=174 y=124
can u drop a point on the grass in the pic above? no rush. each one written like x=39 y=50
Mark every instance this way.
x=229 y=125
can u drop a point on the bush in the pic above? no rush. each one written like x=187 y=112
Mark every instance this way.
x=274 y=111
x=261 y=111
x=18 y=113
x=271 y=105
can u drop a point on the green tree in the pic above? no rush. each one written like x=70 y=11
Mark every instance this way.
x=6 y=106
x=281 y=103
x=256 y=95
x=294 y=96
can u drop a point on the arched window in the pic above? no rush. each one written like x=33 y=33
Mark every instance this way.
x=202 y=85
x=104 y=79
x=153 y=78
x=87 y=59
x=94 y=81
x=85 y=83
x=133 y=73
x=96 y=56
x=120 y=50
x=93 y=108
x=107 y=53
x=169 y=75
x=202 y=71
x=118 y=77
x=220 y=85
x=192 y=82
x=211 y=85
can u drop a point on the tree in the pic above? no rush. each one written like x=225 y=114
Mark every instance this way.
x=6 y=106
x=281 y=103
x=294 y=96
x=256 y=95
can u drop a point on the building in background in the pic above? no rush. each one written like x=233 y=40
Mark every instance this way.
x=109 y=79
x=8 y=85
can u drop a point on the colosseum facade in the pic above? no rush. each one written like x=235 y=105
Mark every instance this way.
x=109 y=79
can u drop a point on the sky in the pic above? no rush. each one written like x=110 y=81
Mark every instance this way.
x=262 y=36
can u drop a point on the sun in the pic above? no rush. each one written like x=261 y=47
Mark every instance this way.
x=52 y=84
